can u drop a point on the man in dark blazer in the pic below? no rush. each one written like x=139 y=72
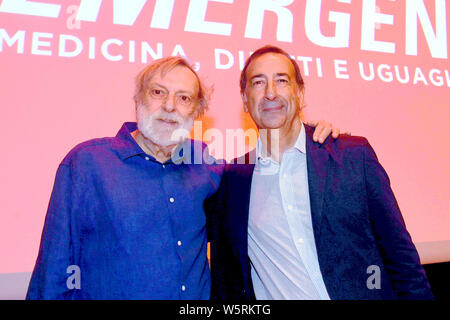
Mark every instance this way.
x=295 y=219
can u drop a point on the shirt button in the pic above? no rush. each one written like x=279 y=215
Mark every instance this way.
x=172 y=200
x=183 y=288
x=179 y=243
x=300 y=240
x=163 y=166
x=289 y=207
x=147 y=158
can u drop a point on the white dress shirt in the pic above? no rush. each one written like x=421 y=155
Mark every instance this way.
x=281 y=245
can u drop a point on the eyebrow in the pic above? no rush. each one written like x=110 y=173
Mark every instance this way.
x=158 y=85
x=179 y=91
x=280 y=74
x=185 y=91
x=258 y=76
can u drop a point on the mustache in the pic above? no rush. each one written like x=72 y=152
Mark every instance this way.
x=269 y=104
x=169 y=118
x=160 y=115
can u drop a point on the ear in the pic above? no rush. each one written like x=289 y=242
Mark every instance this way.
x=196 y=114
x=244 y=100
x=301 y=98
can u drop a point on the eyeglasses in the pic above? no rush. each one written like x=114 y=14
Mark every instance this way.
x=180 y=98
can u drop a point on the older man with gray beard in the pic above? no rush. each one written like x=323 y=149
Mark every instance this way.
x=126 y=217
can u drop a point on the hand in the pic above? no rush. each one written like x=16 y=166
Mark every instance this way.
x=322 y=130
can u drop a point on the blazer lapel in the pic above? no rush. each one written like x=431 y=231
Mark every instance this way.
x=317 y=161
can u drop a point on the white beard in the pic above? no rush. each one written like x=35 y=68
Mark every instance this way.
x=160 y=133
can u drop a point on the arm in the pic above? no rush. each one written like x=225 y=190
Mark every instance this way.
x=212 y=202
x=399 y=254
x=49 y=277
x=213 y=208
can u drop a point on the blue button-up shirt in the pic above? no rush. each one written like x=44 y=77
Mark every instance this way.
x=281 y=245
x=133 y=227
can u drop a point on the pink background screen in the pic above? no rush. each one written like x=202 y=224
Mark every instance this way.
x=64 y=81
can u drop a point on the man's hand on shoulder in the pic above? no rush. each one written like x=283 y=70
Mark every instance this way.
x=322 y=130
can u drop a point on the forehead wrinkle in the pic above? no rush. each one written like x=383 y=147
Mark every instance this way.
x=158 y=85
x=197 y=79
x=270 y=58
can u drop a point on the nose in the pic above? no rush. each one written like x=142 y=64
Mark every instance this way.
x=168 y=104
x=271 y=92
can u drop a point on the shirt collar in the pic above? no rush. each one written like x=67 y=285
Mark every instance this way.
x=300 y=144
x=125 y=144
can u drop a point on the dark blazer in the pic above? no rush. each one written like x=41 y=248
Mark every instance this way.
x=356 y=221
